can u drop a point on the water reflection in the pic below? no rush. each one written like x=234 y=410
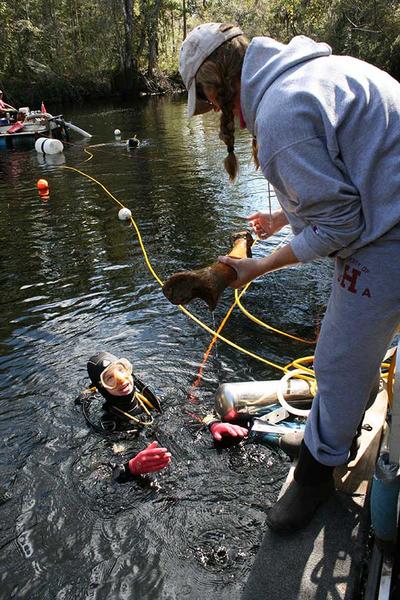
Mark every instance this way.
x=50 y=160
x=74 y=282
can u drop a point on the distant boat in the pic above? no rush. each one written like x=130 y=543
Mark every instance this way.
x=25 y=126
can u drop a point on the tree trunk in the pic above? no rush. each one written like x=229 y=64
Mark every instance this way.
x=152 y=37
x=184 y=19
x=129 y=72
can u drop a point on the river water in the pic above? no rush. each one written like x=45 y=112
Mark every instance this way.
x=74 y=282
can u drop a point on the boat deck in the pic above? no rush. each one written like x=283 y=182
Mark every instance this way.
x=324 y=561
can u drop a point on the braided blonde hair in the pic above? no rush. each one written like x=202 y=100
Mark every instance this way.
x=221 y=72
x=254 y=148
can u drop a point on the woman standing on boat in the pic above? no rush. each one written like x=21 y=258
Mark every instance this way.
x=326 y=134
x=3 y=105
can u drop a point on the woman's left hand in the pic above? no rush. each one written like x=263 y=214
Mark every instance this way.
x=246 y=269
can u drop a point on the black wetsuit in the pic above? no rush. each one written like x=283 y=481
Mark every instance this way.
x=114 y=418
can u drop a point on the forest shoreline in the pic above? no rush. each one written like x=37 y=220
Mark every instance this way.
x=69 y=92
x=73 y=51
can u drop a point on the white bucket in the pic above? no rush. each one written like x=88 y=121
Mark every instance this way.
x=48 y=146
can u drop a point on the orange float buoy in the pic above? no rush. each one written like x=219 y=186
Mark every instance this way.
x=42 y=184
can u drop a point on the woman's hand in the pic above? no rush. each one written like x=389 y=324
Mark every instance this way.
x=246 y=269
x=264 y=225
x=150 y=460
x=220 y=430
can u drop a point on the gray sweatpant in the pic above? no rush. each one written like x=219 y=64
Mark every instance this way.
x=361 y=318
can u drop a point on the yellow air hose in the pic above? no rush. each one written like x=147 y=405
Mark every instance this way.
x=160 y=282
x=298 y=364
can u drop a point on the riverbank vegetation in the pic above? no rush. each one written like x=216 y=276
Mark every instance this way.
x=67 y=50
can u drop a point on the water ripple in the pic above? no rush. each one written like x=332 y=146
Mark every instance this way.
x=74 y=282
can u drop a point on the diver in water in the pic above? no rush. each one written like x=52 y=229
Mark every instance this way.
x=127 y=408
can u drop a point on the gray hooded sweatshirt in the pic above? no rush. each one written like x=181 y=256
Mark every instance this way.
x=328 y=132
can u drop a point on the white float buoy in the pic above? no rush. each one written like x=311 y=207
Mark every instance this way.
x=117 y=132
x=48 y=146
x=124 y=214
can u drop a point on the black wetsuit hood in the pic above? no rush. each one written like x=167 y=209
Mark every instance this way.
x=95 y=366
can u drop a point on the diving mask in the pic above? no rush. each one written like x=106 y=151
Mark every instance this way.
x=116 y=373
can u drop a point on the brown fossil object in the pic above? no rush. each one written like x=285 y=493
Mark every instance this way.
x=207 y=283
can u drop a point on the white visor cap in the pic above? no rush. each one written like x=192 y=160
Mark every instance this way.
x=198 y=45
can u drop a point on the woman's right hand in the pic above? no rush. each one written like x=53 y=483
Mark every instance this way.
x=264 y=225
x=246 y=269
x=150 y=460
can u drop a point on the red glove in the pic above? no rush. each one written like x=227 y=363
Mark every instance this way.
x=218 y=430
x=149 y=460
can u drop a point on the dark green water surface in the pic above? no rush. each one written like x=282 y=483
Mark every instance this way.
x=73 y=281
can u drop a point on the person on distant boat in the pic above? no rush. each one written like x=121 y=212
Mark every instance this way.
x=127 y=408
x=326 y=134
x=3 y=105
